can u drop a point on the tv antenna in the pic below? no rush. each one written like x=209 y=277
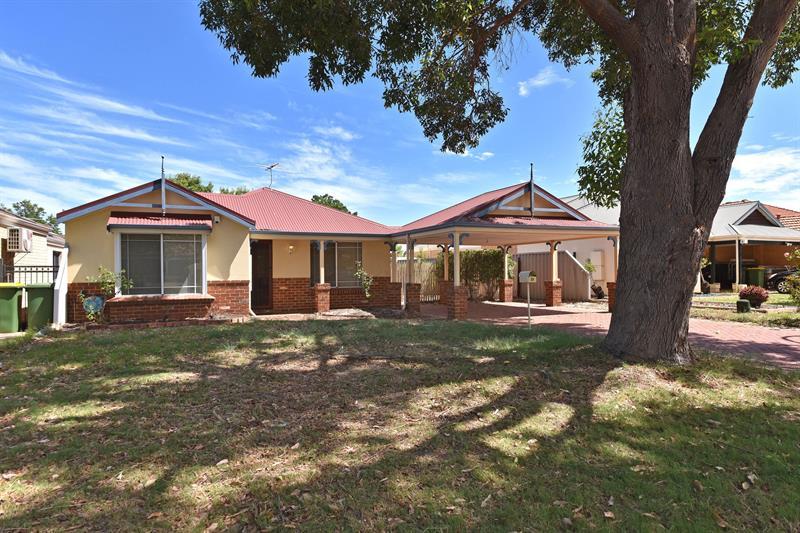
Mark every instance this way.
x=269 y=168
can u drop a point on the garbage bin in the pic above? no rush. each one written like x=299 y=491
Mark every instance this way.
x=756 y=276
x=40 y=305
x=10 y=294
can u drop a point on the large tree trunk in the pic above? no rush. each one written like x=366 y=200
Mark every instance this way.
x=661 y=240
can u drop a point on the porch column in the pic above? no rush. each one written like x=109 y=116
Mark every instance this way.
x=713 y=258
x=506 y=289
x=457 y=304
x=395 y=290
x=393 y=260
x=445 y=285
x=413 y=290
x=738 y=264
x=322 y=290
x=552 y=288
x=615 y=251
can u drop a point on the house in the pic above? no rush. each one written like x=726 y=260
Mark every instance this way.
x=29 y=251
x=745 y=234
x=194 y=255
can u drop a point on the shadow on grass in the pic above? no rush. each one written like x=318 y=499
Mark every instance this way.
x=380 y=424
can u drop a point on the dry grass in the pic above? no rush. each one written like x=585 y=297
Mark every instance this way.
x=376 y=425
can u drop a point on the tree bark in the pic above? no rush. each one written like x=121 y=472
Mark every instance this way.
x=661 y=240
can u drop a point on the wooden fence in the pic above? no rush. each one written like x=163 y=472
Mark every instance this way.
x=574 y=278
x=424 y=274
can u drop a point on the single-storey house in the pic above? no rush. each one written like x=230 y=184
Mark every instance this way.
x=29 y=251
x=194 y=255
x=745 y=234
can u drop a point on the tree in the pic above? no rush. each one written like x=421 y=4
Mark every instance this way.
x=435 y=60
x=191 y=182
x=241 y=189
x=35 y=212
x=605 y=149
x=330 y=201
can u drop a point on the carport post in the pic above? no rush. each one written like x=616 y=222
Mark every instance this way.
x=446 y=252
x=554 y=260
x=410 y=259
x=738 y=264
x=456 y=259
x=321 y=261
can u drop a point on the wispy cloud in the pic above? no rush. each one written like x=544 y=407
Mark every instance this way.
x=771 y=175
x=106 y=105
x=480 y=156
x=545 y=77
x=336 y=132
x=20 y=66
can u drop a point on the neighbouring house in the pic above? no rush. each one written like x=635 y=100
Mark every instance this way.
x=195 y=255
x=746 y=236
x=29 y=251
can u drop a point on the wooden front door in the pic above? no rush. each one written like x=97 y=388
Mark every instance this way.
x=261 y=255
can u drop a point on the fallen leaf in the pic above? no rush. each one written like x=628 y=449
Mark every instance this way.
x=150 y=482
x=566 y=521
x=560 y=503
x=752 y=478
x=611 y=501
x=157 y=514
x=699 y=486
x=223 y=462
x=720 y=521
x=745 y=485
x=609 y=515
x=295 y=446
x=485 y=501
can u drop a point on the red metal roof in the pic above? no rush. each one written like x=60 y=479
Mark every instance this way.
x=461 y=209
x=280 y=212
x=538 y=222
x=155 y=220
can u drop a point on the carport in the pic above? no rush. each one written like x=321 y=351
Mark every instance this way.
x=520 y=214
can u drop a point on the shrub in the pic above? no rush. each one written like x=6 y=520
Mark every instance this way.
x=479 y=268
x=755 y=295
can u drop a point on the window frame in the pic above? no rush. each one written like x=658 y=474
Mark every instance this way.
x=203 y=257
x=359 y=245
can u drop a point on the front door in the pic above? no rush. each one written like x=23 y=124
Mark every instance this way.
x=261 y=297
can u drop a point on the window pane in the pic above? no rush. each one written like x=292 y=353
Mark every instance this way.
x=141 y=260
x=180 y=264
x=330 y=263
x=349 y=255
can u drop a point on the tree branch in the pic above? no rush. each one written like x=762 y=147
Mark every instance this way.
x=716 y=147
x=614 y=24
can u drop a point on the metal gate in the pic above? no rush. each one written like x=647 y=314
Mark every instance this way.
x=575 y=280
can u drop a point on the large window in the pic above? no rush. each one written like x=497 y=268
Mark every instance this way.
x=341 y=263
x=163 y=263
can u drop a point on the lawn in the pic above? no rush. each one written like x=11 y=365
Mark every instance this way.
x=775 y=298
x=376 y=425
x=777 y=320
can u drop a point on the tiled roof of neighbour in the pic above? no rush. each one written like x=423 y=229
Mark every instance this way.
x=280 y=212
x=790 y=221
x=461 y=209
x=156 y=220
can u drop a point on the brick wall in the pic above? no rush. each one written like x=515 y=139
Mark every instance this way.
x=322 y=297
x=506 y=290
x=552 y=293
x=445 y=290
x=612 y=295
x=292 y=295
x=413 y=302
x=231 y=298
x=75 y=312
x=383 y=293
x=158 y=308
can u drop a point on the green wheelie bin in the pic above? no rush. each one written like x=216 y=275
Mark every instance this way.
x=40 y=305
x=10 y=294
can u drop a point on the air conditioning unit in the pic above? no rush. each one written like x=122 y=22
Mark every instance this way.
x=20 y=240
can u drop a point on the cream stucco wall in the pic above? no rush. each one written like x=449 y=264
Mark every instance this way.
x=91 y=246
x=297 y=264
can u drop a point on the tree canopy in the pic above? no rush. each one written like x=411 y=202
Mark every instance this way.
x=33 y=211
x=241 y=189
x=192 y=182
x=330 y=201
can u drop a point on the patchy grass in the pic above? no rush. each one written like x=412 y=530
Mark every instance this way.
x=775 y=298
x=375 y=425
x=776 y=319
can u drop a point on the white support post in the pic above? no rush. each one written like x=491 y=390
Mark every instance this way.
x=322 y=261
x=456 y=260
x=554 y=260
x=409 y=259
x=393 y=259
x=60 y=290
x=738 y=265
x=446 y=252
x=505 y=264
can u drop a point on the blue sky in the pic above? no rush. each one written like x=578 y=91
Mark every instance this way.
x=93 y=93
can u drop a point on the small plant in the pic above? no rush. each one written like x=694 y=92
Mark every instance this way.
x=365 y=279
x=755 y=295
x=110 y=285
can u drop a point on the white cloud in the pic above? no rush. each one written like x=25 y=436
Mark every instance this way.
x=546 y=76
x=771 y=175
x=482 y=156
x=107 y=105
x=20 y=66
x=336 y=132
x=782 y=137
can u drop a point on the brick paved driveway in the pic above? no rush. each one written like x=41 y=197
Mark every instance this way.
x=777 y=346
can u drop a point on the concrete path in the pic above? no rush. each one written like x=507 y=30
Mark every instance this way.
x=777 y=346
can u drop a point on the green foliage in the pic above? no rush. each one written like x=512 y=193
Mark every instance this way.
x=793 y=259
x=754 y=294
x=330 y=201
x=241 y=189
x=436 y=59
x=479 y=268
x=364 y=278
x=109 y=281
x=191 y=182
x=605 y=150
x=35 y=212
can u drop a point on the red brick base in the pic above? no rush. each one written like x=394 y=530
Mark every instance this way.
x=552 y=293
x=506 y=290
x=322 y=297
x=445 y=290
x=612 y=295
x=383 y=293
x=292 y=295
x=158 y=308
x=75 y=312
x=413 y=302
x=231 y=298
x=457 y=303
